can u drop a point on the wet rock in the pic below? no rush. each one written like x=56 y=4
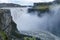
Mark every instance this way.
x=5 y=24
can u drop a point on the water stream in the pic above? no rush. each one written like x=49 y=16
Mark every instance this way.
x=32 y=22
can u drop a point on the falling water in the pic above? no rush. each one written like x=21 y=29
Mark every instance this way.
x=47 y=21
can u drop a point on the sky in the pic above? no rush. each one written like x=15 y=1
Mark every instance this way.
x=23 y=2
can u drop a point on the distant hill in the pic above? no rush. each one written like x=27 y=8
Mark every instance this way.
x=9 y=5
x=13 y=5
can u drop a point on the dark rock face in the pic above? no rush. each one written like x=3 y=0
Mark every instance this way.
x=6 y=23
x=43 y=3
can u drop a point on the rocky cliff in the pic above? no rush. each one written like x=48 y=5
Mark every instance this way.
x=6 y=24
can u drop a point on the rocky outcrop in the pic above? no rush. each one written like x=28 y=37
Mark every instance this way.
x=6 y=24
x=41 y=7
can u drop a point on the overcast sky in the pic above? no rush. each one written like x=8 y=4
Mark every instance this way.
x=23 y=2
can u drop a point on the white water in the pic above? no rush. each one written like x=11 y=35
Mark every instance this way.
x=31 y=22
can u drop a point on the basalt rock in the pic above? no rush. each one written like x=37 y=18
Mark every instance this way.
x=5 y=24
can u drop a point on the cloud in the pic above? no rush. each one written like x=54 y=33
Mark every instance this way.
x=28 y=2
x=4 y=1
x=33 y=0
x=23 y=2
x=38 y=0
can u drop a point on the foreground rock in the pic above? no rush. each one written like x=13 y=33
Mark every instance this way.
x=6 y=24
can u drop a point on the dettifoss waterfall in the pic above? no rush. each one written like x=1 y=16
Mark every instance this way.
x=46 y=22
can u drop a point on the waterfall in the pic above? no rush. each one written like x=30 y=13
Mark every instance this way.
x=47 y=21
